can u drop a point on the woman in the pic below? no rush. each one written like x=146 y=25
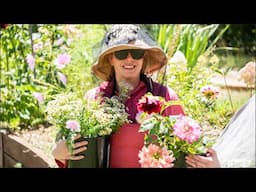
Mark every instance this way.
x=128 y=54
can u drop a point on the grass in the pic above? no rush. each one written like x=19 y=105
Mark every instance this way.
x=238 y=96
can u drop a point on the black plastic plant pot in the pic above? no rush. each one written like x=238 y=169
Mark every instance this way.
x=95 y=156
x=180 y=161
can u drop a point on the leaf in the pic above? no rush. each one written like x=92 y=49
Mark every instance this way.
x=191 y=150
x=15 y=122
x=148 y=124
x=163 y=127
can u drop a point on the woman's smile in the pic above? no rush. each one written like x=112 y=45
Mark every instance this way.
x=128 y=66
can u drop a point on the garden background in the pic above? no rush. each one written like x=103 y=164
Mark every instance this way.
x=39 y=61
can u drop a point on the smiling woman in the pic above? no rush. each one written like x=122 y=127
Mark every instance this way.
x=128 y=54
x=121 y=38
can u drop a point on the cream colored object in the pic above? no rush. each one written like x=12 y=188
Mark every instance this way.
x=236 y=146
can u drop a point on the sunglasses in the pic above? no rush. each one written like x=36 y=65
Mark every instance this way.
x=135 y=53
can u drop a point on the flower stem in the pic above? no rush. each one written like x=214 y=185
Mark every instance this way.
x=229 y=95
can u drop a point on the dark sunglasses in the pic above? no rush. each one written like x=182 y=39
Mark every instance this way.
x=135 y=53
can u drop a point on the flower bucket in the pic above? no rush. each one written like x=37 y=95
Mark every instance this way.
x=95 y=156
x=180 y=161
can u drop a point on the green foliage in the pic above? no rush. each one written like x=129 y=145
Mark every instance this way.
x=188 y=85
x=82 y=53
x=194 y=41
x=231 y=57
x=240 y=36
x=45 y=43
x=17 y=165
x=166 y=35
x=189 y=74
x=20 y=109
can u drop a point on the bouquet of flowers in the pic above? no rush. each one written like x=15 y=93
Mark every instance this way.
x=89 y=118
x=168 y=138
x=72 y=115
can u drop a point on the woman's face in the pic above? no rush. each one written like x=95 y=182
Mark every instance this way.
x=127 y=68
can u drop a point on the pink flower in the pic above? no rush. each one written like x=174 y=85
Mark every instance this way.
x=179 y=134
x=187 y=129
x=73 y=125
x=62 y=60
x=62 y=78
x=149 y=104
x=39 y=96
x=31 y=62
x=210 y=92
x=173 y=95
x=155 y=157
x=92 y=94
x=59 y=42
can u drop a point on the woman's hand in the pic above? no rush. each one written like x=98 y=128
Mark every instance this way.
x=209 y=161
x=61 y=152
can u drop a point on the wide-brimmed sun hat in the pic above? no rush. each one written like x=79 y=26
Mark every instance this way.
x=128 y=36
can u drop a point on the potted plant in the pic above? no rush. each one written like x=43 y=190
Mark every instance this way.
x=95 y=120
